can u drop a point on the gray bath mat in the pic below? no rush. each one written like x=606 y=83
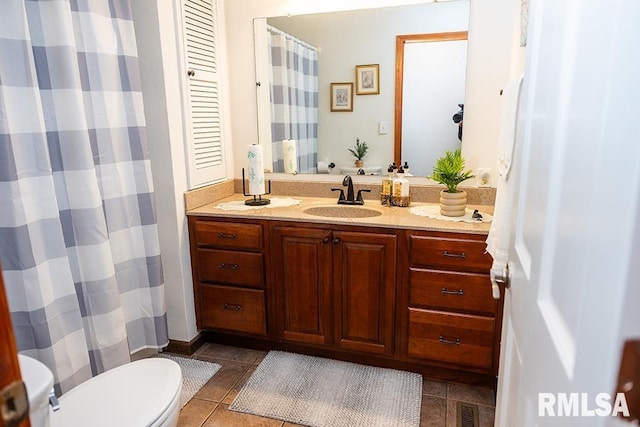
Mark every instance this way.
x=195 y=374
x=328 y=393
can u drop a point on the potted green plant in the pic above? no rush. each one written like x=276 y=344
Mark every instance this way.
x=359 y=151
x=449 y=170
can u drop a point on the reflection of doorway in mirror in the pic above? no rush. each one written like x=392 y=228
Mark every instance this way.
x=435 y=72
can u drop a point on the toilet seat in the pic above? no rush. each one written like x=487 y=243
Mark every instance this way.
x=141 y=393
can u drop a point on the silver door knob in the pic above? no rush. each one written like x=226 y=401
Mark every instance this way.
x=499 y=277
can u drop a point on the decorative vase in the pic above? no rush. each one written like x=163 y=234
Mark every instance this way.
x=453 y=204
x=359 y=163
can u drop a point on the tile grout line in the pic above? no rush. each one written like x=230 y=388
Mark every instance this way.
x=233 y=386
x=209 y=416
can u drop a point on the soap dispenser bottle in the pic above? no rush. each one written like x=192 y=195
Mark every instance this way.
x=387 y=187
x=400 y=190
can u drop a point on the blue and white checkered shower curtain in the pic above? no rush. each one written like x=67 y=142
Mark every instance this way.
x=78 y=236
x=294 y=99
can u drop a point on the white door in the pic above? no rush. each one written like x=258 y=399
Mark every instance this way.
x=577 y=171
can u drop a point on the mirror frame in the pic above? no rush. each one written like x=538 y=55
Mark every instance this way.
x=401 y=41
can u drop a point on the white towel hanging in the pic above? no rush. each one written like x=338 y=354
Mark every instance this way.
x=499 y=237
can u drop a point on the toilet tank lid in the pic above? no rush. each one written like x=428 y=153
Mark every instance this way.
x=38 y=380
x=137 y=393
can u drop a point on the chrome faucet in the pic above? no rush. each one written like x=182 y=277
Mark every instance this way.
x=349 y=200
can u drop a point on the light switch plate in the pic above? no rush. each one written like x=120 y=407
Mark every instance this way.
x=383 y=128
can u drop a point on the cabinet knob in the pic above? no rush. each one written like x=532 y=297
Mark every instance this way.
x=336 y=241
x=325 y=240
x=191 y=73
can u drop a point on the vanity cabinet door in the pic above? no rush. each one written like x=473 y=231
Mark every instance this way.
x=364 y=291
x=302 y=278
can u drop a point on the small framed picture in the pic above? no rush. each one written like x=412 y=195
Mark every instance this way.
x=341 y=96
x=367 y=79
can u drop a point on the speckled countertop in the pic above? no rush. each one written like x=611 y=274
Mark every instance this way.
x=391 y=217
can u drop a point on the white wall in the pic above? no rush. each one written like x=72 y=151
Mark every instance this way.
x=494 y=37
x=360 y=37
x=161 y=87
x=490 y=59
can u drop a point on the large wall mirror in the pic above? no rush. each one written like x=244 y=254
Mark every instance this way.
x=326 y=48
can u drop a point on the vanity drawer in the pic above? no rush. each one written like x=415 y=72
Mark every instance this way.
x=228 y=235
x=235 y=309
x=233 y=267
x=459 y=254
x=460 y=339
x=451 y=290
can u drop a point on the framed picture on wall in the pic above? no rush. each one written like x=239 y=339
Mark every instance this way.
x=341 y=96
x=367 y=79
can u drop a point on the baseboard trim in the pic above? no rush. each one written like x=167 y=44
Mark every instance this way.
x=184 y=347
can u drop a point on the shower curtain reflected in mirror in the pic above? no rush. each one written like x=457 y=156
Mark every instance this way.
x=294 y=99
x=78 y=236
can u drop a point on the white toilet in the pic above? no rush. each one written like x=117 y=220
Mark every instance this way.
x=141 y=393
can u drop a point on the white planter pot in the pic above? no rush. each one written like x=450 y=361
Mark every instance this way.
x=453 y=204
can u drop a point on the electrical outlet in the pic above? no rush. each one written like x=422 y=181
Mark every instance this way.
x=483 y=175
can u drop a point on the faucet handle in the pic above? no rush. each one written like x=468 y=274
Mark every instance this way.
x=359 y=197
x=341 y=193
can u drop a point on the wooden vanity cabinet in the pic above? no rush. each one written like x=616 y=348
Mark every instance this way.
x=335 y=287
x=451 y=317
x=228 y=263
x=404 y=299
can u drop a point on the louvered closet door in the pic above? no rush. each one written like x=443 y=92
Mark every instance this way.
x=206 y=157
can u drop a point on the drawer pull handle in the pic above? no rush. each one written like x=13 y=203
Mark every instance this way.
x=229 y=266
x=445 y=291
x=226 y=236
x=454 y=254
x=443 y=340
x=235 y=307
